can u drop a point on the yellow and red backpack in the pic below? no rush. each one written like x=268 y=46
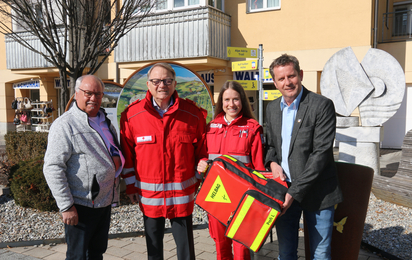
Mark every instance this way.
x=246 y=201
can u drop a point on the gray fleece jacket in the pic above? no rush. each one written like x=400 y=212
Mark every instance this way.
x=77 y=157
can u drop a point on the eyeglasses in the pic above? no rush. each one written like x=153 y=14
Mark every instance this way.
x=89 y=94
x=166 y=82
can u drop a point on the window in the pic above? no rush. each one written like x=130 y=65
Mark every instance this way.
x=218 y=4
x=163 y=5
x=34 y=95
x=402 y=20
x=263 y=5
x=20 y=25
x=183 y=3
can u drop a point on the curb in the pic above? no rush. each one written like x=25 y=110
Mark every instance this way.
x=4 y=190
x=32 y=243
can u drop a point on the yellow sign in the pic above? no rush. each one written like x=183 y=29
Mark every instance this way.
x=248 y=84
x=266 y=74
x=244 y=65
x=236 y=52
x=271 y=94
x=218 y=192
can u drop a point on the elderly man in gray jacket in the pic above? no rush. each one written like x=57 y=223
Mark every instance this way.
x=82 y=164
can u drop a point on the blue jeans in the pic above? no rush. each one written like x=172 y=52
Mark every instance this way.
x=320 y=226
x=88 y=239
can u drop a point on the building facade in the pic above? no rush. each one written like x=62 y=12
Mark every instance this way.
x=196 y=33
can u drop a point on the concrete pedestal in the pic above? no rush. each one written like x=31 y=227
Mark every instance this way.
x=360 y=145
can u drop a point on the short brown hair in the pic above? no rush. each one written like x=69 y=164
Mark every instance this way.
x=236 y=86
x=284 y=60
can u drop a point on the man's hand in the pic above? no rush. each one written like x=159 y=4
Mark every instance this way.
x=277 y=171
x=134 y=198
x=70 y=217
x=288 y=202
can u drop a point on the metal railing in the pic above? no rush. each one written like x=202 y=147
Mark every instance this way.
x=19 y=57
x=396 y=26
x=198 y=32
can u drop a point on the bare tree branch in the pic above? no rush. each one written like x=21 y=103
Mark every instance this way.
x=75 y=34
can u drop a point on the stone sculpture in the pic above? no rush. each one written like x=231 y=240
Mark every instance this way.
x=376 y=86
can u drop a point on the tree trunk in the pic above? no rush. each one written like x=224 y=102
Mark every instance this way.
x=64 y=95
x=72 y=85
x=67 y=90
x=73 y=77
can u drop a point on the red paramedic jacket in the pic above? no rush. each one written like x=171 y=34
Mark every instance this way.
x=162 y=154
x=242 y=139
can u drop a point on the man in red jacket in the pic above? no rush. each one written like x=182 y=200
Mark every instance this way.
x=163 y=139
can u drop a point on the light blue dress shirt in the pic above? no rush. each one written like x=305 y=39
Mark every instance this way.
x=288 y=119
x=161 y=111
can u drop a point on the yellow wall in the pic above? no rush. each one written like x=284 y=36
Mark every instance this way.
x=402 y=51
x=302 y=25
x=310 y=30
x=3 y=49
x=2 y=54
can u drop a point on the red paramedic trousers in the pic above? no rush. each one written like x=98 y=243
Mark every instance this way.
x=224 y=244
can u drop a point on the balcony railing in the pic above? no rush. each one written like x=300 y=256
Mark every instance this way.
x=200 y=32
x=397 y=26
x=19 y=57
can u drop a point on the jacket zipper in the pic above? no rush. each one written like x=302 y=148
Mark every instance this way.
x=109 y=123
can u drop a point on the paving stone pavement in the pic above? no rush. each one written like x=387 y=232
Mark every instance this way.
x=133 y=248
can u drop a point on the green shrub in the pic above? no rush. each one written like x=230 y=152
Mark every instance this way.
x=22 y=146
x=28 y=185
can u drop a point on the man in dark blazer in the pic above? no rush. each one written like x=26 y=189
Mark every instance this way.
x=301 y=128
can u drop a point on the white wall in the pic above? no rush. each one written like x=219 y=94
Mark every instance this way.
x=396 y=127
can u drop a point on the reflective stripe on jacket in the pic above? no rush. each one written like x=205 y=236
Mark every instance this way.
x=161 y=155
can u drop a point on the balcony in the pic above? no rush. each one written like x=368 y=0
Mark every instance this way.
x=19 y=57
x=397 y=26
x=200 y=32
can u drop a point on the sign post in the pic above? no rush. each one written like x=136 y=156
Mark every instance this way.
x=261 y=84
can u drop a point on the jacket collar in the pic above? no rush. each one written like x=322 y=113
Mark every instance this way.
x=149 y=106
x=221 y=120
x=81 y=114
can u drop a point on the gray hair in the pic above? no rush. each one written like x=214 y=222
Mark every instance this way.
x=80 y=79
x=165 y=66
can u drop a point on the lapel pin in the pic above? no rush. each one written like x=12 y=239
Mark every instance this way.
x=299 y=120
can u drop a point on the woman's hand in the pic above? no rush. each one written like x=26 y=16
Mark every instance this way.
x=202 y=166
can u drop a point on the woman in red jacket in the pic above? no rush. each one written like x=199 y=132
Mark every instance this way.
x=234 y=131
